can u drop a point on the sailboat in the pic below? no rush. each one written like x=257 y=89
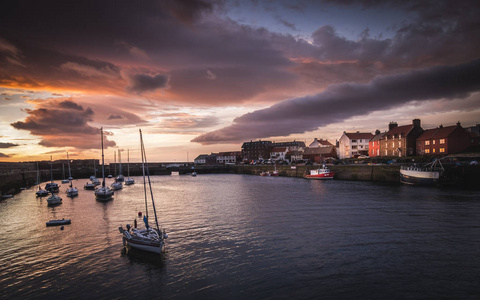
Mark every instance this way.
x=41 y=192
x=54 y=199
x=148 y=239
x=103 y=193
x=51 y=187
x=71 y=191
x=63 y=175
x=129 y=180
x=120 y=177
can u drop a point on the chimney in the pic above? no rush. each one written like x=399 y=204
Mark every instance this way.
x=377 y=132
x=458 y=124
x=392 y=125
x=416 y=122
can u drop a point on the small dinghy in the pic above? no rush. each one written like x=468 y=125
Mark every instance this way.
x=58 y=222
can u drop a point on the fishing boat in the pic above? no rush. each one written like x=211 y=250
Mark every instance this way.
x=59 y=222
x=51 y=187
x=268 y=173
x=430 y=174
x=322 y=173
x=103 y=193
x=41 y=192
x=148 y=239
x=54 y=200
x=129 y=180
x=71 y=191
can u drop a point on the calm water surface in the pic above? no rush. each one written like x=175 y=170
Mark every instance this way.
x=247 y=237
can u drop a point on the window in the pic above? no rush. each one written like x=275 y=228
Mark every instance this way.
x=359 y=141
x=442 y=150
x=393 y=144
x=442 y=141
x=399 y=143
x=354 y=141
x=386 y=152
x=427 y=150
x=433 y=142
x=427 y=143
x=433 y=150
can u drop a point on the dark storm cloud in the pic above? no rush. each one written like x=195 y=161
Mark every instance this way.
x=140 y=83
x=343 y=101
x=7 y=145
x=4 y=155
x=187 y=10
x=62 y=124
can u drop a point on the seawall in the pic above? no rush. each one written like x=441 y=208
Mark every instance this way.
x=464 y=176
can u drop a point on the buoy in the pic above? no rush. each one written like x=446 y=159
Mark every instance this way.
x=139 y=213
x=61 y=228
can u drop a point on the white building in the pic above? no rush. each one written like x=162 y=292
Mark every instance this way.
x=353 y=144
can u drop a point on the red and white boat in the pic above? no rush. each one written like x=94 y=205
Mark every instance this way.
x=322 y=173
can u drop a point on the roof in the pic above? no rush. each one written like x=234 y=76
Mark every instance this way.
x=403 y=130
x=231 y=153
x=378 y=137
x=319 y=150
x=359 y=135
x=437 y=133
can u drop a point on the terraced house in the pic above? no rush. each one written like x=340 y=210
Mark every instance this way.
x=443 y=140
x=400 y=141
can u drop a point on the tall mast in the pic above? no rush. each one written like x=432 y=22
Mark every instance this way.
x=143 y=170
x=103 y=161
x=68 y=161
x=128 y=163
x=144 y=158
x=51 y=169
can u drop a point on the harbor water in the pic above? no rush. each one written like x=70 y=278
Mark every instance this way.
x=247 y=237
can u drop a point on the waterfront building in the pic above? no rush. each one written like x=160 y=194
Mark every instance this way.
x=231 y=157
x=374 y=145
x=401 y=140
x=320 y=143
x=201 y=159
x=443 y=140
x=353 y=144
x=292 y=146
x=320 y=154
x=258 y=150
x=278 y=153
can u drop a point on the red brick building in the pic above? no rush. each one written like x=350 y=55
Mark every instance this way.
x=443 y=140
x=401 y=140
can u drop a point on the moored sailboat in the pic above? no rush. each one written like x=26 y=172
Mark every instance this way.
x=71 y=191
x=129 y=180
x=148 y=239
x=103 y=193
x=41 y=192
x=51 y=187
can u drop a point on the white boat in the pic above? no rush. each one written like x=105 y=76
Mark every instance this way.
x=129 y=180
x=116 y=185
x=54 y=200
x=41 y=192
x=59 y=222
x=148 y=239
x=71 y=191
x=322 y=173
x=429 y=174
x=103 y=193
x=194 y=174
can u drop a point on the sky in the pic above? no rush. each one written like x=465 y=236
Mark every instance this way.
x=205 y=76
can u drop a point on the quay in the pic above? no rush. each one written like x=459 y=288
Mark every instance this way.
x=15 y=176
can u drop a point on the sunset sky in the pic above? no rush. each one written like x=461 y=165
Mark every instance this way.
x=205 y=76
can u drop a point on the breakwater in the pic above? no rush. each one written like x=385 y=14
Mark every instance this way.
x=464 y=176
